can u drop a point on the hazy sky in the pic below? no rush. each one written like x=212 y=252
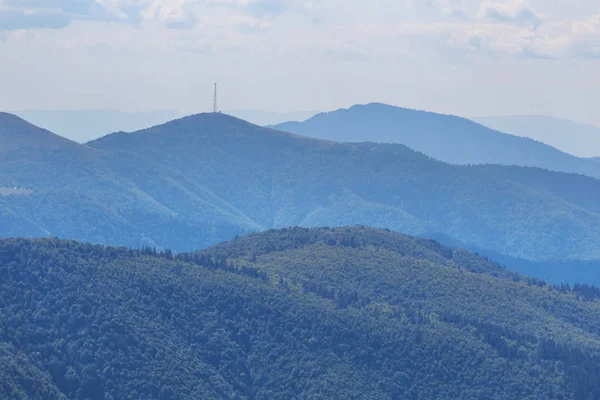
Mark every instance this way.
x=467 y=57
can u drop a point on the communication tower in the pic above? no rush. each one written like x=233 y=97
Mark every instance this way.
x=215 y=108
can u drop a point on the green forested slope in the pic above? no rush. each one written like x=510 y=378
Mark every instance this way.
x=297 y=313
x=277 y=180
x=76 y=194
x=21 y=378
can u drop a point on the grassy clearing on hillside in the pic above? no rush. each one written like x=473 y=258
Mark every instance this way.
x=6 y=191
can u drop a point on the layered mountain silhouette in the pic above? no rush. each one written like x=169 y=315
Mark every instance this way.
x=21 y=140
x=444 y=137
x=84 y=125
x=261 y=117
x=571 y=137
x=296 y=313
x=206 y=178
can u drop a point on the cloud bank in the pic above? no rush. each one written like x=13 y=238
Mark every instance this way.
x=428 y=51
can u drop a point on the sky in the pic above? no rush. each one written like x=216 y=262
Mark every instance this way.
x=465 y=57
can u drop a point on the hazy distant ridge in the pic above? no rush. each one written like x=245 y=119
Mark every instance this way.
x=84 y=125
x=445 y=137
x=574 y=138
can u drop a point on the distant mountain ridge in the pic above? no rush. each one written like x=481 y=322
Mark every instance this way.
x=261 y=117
x=447 y=138
x=571 y=137
x=85 y=125
x=16 y=133
x=205 y=178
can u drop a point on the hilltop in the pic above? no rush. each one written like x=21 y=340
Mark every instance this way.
x=19 y=138
x=295 y=313
x=447 y=138
x=85 y=125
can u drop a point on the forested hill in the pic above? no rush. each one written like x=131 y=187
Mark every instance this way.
x=444 y=137
x=260 y=178
x=297 y=313
x=206 y=178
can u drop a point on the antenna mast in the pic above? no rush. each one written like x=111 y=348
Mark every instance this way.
x=215 y=108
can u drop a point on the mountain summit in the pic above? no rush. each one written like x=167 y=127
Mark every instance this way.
x=194 y=131
x=447 y=138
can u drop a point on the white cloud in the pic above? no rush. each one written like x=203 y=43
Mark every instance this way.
x=11 y=19
x=452 y=8
x=307 y=45
x=453 y=30
x=112 y=7
x=514 y=12
x=584 y=38
x=57 y=14
x=173 y=13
